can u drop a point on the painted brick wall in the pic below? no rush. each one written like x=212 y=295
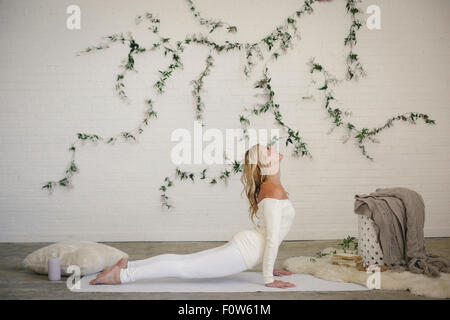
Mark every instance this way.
x=47 y=95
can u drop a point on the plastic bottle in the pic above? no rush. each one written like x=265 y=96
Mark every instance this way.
x=54 y=268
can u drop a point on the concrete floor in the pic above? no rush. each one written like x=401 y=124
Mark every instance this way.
x=19 y=283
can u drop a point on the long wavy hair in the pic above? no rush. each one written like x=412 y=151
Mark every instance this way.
x=255 y=161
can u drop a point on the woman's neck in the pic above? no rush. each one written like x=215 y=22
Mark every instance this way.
x=274 y=178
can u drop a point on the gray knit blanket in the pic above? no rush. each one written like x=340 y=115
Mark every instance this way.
x=399 y=216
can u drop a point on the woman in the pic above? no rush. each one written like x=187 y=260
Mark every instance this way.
x=268 y=203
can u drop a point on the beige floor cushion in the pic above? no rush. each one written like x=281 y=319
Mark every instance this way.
x=91 y=257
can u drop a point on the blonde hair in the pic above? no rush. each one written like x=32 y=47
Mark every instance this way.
x=254 y=161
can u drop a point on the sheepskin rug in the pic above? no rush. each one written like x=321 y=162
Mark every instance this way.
x=417 y=284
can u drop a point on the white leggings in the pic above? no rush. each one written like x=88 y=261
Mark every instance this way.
x=211 y=263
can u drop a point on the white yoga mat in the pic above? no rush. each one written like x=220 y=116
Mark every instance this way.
x=241 y=282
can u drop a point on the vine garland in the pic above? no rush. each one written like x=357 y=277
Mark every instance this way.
x=208 y=22
x=277 y=43
x=198 y=86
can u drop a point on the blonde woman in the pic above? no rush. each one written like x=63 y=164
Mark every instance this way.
x=269 y=205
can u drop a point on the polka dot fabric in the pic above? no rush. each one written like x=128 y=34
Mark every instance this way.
x=368 y=245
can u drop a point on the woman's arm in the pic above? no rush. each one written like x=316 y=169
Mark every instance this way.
x=272 y=219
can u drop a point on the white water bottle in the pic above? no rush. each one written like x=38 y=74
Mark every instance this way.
x=54 y=268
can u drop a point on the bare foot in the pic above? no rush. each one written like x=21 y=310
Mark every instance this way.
x=122 y=263
x=112 y=276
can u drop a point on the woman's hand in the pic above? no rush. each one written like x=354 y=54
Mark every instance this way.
x=281 y=272
x=280 y=284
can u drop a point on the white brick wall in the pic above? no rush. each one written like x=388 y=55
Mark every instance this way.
x=47 y=95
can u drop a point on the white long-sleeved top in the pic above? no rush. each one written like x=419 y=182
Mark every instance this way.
x=273 y=221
